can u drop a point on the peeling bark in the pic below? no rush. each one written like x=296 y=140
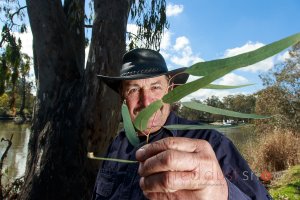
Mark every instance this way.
x=75 y=112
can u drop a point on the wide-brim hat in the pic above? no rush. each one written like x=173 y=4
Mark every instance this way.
x=142 y=64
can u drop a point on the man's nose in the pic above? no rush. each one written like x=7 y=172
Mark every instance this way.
x=146 y=97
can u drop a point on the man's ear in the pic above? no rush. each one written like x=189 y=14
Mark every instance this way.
x=171 y=86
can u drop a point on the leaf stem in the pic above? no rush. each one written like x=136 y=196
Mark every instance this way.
x=91 y=156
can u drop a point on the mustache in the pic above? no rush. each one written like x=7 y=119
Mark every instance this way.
x=140 y=108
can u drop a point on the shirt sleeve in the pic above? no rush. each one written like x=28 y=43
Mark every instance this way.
x=235 y=193
x=241 y=179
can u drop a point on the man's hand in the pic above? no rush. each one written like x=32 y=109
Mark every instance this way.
x=180 y=168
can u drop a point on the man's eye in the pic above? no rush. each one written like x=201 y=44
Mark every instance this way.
x=156 y=87
x=133 y=90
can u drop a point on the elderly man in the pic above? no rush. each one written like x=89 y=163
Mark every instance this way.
x=188 y=164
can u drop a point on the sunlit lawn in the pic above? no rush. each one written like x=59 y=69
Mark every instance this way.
x=288 y=186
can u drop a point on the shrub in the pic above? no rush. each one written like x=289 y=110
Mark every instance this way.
x=275 y=151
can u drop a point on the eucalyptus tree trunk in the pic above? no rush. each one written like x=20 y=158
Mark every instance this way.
x=23 y=98
x=75 y=112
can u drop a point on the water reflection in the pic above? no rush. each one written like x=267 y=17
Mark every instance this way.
x=15 y=162
x=240 y=136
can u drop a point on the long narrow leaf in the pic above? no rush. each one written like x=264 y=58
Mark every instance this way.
x=177 y=93
x=141 y=120
x=219 y=111
x=222 y=87
x=183 y=90
x=213 y=70
x=200 y=126
x=128 y=126
x=245 y=59
x=227 y=65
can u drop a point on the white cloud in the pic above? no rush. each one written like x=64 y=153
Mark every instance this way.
x=203 y=94
x=229 y=79
x=262 y=66
x=132 y=28
x=174 y=10
x=181 y=54
x=165 y=54
x=185 y=57
x=181 y=42
x=284 y=56
x=233 y=79
x=86 y=51
x=166 y=40
x=249 y=46
x=26 y=39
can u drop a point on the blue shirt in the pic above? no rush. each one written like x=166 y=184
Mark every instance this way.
x=121 y=181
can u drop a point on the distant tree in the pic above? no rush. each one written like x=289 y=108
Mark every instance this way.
x=199 y=115
x=240 y=103
x=214 y=101
x=13 y=58
x=4 y=100
x=24 y=73
x=191 y=114
x=11 y=17
x=281 y=98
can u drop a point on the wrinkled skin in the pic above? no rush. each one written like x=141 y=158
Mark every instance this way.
x=172 y=168
x=180 y=168
x=139 y=94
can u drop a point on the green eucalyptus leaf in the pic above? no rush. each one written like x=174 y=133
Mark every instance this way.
x=219 y=111
x=212 y=70
x=141 y=120
x=183 y=90
x=198 y=126
x=128 y=126
x=243 y=60
x=222 y=87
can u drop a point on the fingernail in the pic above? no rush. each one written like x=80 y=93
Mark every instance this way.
x=140 y=154
x=140 y=168
x=142 y=184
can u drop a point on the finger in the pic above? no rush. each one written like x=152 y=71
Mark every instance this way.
x=170 y=160
x=174 y=143
x=167 y=196
x=173 y=181
x=183 y=194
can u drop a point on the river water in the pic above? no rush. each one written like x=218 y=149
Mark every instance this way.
x=15 y=163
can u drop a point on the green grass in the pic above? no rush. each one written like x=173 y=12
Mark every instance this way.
x=288 y=186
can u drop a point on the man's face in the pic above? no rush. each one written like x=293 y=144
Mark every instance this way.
x=141 y=93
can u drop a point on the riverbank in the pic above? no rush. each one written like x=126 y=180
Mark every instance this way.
x=286 y=184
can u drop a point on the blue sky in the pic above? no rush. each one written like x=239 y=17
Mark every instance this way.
x=214 y=26
x=202 y=30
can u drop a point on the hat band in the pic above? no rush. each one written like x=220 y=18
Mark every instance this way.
x=143 y=71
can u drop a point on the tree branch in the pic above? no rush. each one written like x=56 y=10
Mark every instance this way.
x=9 y=141
x=88 y=26
x=17 y=12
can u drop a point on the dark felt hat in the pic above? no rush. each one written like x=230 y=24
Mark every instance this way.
x=141 y=64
